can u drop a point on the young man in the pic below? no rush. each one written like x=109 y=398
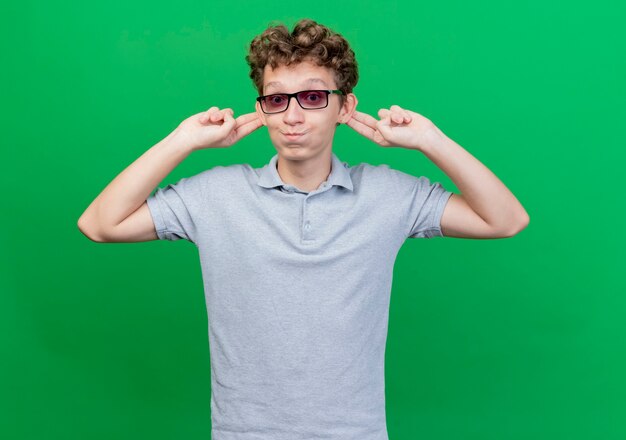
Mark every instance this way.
x=297 y=256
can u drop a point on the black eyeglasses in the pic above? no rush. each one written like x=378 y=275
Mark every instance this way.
x=308 y=100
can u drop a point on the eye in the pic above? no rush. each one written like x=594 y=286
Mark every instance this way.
x=313 y=97
x=275 y=99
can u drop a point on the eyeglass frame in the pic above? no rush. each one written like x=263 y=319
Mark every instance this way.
x=295 y=95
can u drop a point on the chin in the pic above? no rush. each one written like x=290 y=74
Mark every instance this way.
x=293 y=151
x=292 y=147
x=297 y=150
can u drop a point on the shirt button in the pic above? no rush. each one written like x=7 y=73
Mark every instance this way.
x=307 y=226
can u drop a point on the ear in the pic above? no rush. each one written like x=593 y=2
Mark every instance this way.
x=260 y=113
x=348 y=108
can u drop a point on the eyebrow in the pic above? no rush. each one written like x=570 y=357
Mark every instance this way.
x=308 y=81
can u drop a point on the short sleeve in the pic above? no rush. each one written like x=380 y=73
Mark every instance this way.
x=175 y=209
x=421 y=202
x=427 y=203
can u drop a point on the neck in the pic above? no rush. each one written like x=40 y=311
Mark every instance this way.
x=306 y=175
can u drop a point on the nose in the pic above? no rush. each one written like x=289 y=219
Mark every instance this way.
x=294 y=112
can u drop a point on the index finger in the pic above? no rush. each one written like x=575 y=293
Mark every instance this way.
x=243 y=119
x=246 y=124
x=364 y=118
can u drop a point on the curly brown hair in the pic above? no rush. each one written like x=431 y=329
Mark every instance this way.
x=309 y=41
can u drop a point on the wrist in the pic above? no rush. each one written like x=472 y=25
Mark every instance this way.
x=180 y=140
x=433 y=139
x=176 y=143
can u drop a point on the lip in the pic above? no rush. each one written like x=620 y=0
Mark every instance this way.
x=293 y=136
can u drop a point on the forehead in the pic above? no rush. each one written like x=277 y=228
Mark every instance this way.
x=296 y=77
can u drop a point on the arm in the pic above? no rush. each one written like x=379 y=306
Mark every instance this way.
x=485 y=209
x=124 y=198
x=120 y=213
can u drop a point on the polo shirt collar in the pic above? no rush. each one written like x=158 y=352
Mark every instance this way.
x=339 y=174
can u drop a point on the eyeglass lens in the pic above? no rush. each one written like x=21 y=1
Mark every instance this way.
x=309 y=99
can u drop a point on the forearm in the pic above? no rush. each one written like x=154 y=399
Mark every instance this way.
x=481 y=189
x=127 y=192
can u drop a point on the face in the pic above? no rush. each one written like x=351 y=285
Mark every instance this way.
x=314 y=128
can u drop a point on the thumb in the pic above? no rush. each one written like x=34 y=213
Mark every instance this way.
x=229 y=123
x=384 y=126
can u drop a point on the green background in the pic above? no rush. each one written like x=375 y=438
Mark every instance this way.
x=519 y=338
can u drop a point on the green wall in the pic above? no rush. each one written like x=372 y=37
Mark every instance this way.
x=519 y=338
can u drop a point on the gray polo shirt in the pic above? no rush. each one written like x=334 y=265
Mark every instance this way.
x=297 y=289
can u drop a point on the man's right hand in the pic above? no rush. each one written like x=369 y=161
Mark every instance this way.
x=217 y=128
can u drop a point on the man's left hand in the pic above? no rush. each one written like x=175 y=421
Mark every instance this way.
x=397 y=127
